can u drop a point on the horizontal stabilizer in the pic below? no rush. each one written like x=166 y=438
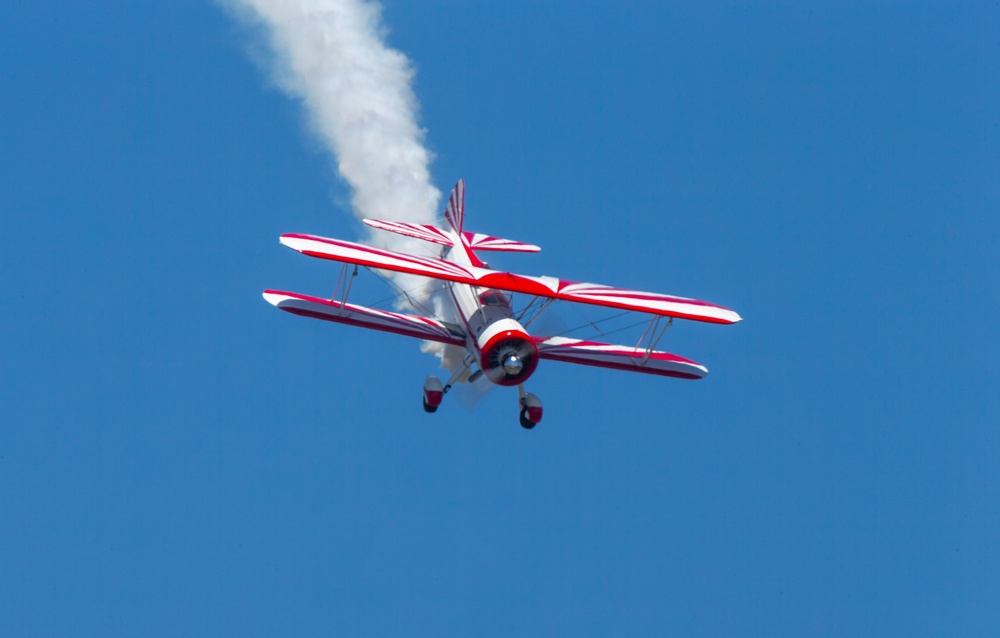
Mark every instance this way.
x=420 y=231
x=478 y=241
x=549 y=287
x=475 y=241
x=355 y=315
x=630 y=359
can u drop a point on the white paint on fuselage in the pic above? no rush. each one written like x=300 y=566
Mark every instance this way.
x=476 y=317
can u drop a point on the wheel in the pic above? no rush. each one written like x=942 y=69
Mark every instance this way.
x=429 y=408
x=526 y=423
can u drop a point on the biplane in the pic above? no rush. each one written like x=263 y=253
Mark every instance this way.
x=494 y=341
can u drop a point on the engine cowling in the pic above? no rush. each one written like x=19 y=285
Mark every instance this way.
x=507 y=354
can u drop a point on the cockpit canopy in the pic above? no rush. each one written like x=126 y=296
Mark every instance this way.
x=494 y=298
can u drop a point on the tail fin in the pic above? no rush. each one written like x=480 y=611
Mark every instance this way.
x=455 y=213
x=467 y=241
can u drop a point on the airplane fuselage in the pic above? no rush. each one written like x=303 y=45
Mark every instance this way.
x=505 y=351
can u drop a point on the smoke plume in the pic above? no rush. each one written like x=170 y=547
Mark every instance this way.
x=357 y=92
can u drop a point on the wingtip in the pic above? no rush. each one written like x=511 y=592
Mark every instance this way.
x=695 y=370
x=273 y=297
x=727 y=316
x=295 y=241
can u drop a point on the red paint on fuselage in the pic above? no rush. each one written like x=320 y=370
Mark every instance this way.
x=528 y=353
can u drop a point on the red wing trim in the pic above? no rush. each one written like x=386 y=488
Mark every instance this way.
x=355 y=315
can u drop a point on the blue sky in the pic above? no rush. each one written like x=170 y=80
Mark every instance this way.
x=178 y=458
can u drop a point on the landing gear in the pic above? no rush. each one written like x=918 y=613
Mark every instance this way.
x=433 y=394
x=531 y=408
x=434 y=390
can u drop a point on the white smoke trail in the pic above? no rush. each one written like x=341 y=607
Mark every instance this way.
x=357 y=92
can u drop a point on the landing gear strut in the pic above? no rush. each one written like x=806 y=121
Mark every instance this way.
x=434 y=390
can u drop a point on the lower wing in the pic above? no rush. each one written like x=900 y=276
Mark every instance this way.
x=355 y=315
x=590 y=353
x=630 y=359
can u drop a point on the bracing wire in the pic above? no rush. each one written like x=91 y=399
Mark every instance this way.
x=404 y=294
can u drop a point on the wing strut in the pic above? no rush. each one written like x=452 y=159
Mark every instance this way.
x=347 y=282
x=654 y=337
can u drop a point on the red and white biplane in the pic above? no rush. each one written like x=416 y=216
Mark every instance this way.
x=494 y=340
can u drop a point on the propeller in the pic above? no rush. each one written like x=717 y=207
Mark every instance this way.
x=511 y=361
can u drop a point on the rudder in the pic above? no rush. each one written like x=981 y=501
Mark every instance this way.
x=455 y=213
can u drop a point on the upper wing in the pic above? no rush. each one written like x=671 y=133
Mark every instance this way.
x=604 y=355
x=596 y=294
x=355 y=315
